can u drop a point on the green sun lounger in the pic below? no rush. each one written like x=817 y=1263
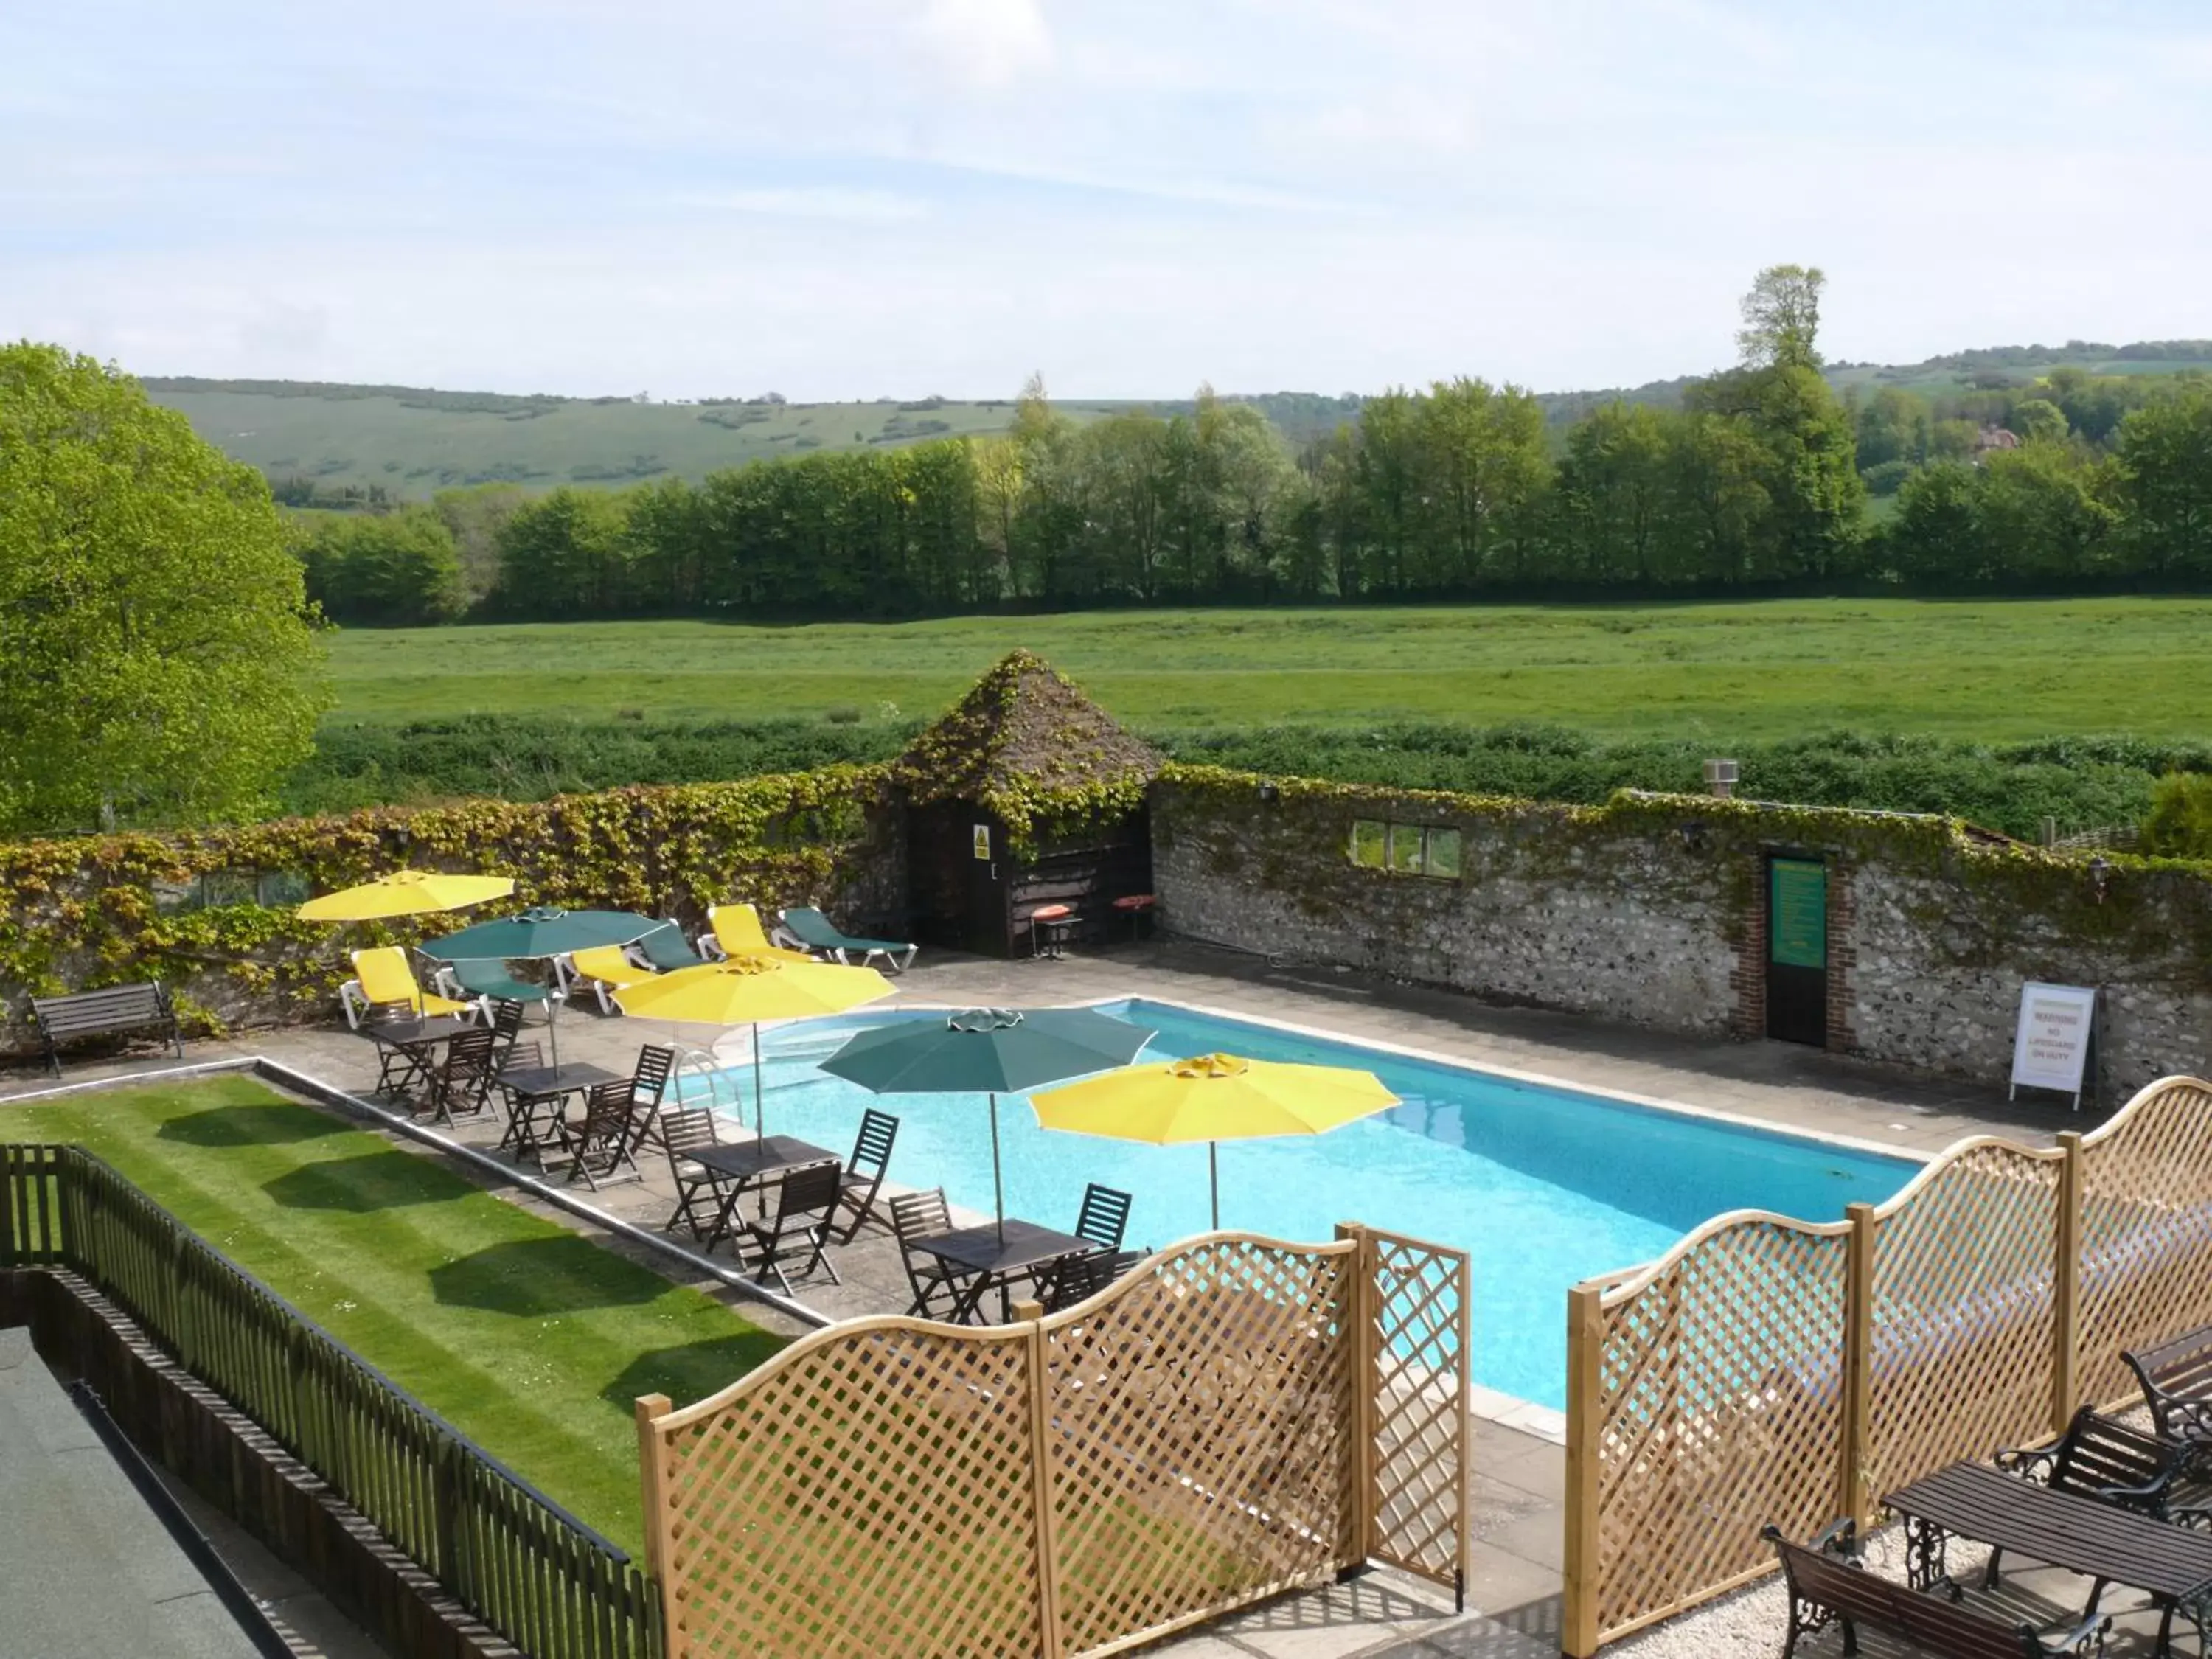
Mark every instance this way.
x=810 y=930
x=665 y=947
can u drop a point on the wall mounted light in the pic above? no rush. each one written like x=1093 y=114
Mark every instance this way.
x=1269 y=793
x=2100 y=875
x=1693 y=834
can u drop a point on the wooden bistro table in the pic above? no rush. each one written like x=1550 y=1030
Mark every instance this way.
x=750 y=1165
x=1026 y=1252
x=536 y=1098
x=2172 y=1564
x=407 y=1049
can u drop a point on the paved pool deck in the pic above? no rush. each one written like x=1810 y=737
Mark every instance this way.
x=1513 y=1510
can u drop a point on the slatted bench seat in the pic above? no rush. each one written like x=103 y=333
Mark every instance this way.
x=1827 y=1586
x=2176 y=1385
x=117 y=1011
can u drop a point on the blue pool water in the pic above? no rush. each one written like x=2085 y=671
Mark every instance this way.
x=1542 y=1187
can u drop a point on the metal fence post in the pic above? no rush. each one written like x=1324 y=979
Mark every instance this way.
x=1855 y=1478
x=2066 y=1287
x=1358 y=1541
x=1581 y=1572
x=1031 y=1314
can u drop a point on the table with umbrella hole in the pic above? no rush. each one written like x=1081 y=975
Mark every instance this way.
x=752 y=1166
x=537 y=1105
x=407 y=1049
x=999 y=1256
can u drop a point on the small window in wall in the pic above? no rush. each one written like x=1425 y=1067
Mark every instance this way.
x=1406 y=849
x=282 y=889
x=1367 y=842
x=275 y=890
x=1441 y=860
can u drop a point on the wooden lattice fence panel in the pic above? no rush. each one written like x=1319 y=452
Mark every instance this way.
x=1418 y=1358
x=1202 y=1447
x=869 y=1491
x=1965 y=1264
x=2146 y=1272
x=1719 y=1407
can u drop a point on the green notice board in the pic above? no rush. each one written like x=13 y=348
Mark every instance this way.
x=1798 y=901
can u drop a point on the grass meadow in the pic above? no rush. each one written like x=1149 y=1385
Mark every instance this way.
x=1982 y=672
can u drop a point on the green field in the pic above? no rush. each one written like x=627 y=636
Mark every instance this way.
x=1985 y=670
x=528 y=1337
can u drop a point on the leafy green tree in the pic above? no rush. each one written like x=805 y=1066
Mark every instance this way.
x=2038 y=420
x=2180 y=825
x=2043 y=516
x=1782 y=319
x=1891 y=426
x=158 y=662
x=2166 y=482
x=1616 y=495
x=474 y=517
x=386 y=570
x=566 y=555
x=1935 y=539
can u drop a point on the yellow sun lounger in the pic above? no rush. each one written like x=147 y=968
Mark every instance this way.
x=605 y=968
x=737 y=933
x=384 y=979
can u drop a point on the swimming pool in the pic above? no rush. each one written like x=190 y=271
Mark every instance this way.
x=1543 y=1187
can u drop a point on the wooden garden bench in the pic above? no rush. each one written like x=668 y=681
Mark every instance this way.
x=116 y=1011
x=1827 y=1585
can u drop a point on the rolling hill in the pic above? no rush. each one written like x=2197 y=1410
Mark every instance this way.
x=410 y=441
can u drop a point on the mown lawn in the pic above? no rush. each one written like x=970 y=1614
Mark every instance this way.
x=527 y=1338
x=1986 y=671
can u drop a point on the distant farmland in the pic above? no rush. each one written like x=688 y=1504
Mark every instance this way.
x=1982 y=671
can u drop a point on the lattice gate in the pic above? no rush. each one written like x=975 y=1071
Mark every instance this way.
x=1237 y=1417
x=1415 y=1343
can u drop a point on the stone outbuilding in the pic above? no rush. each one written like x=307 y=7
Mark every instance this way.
x=1027 y=796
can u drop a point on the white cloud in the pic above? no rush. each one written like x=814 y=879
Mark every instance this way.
x=986 y=43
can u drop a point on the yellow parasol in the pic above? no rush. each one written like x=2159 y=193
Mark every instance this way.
x=1212 y=1098
x=405 y=893
x=748 y=989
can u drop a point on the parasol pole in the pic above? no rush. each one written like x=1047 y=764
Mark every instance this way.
x=998 y=1192
x=1214 y=1179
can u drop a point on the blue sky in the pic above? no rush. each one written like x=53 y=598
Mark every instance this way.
x=856 y=197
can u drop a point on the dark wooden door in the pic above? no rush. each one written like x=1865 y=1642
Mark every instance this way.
x=990 y=880
x=1798 y=949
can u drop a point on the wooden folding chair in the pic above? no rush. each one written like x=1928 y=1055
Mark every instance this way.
x=1104 y=1217
x=600 y=1146
x=699 y=1190
x=864 y=1170
x=462 y=1082
x=924 y=1215
x=806 y=1203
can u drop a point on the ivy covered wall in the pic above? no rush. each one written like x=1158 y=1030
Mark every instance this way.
x=1647 y=910
x=210 y=914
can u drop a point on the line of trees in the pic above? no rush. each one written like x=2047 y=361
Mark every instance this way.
x=1758 y=481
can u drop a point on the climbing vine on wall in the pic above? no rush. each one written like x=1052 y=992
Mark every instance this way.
x=102 y=910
